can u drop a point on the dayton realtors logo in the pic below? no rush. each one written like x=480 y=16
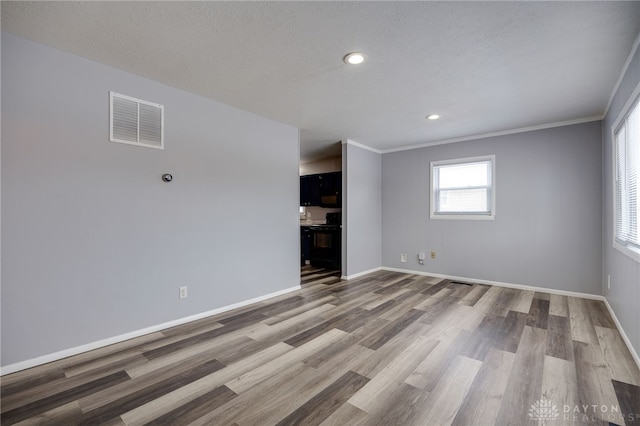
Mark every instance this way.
x=546 y=411
x=543 y=410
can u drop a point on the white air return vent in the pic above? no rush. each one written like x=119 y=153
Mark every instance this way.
x=136 y=122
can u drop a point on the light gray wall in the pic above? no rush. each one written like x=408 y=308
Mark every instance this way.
x=548 y=216
x=94 y=243
x=624 y=296
x=361 y=176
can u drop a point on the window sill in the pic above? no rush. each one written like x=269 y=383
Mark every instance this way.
x=631 y=252
x=462 y=216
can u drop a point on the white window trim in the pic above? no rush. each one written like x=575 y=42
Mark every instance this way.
x=454 y=216
x=630 y=251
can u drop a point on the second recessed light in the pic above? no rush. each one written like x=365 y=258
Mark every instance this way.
x=354 y=58
x=433 y=116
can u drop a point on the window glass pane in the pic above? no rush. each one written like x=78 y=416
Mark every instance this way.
x=464 y=175
x=462 y=189
x=627 y=177
x=633 y=171
x=463 y=200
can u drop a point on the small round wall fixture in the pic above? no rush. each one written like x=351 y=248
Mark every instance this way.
x=354 y=58
x=167 y=177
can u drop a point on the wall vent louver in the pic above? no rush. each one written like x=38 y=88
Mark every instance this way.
x=136 y=122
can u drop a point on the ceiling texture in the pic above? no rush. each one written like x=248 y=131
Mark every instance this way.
x=484 y=67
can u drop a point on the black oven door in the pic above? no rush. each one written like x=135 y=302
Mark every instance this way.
x=325 y=248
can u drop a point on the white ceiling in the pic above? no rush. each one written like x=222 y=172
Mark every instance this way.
x=485 y=67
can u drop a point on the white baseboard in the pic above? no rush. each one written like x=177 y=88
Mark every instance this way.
x=634 y=354
x=23 y=365
x=360 y=274
x=500 y=284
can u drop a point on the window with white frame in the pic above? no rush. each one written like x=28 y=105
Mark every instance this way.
x=626 y=140
x=463 y=188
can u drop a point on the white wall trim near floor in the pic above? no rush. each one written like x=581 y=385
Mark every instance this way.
x=634 y=354
x=360 y=274
x=23 y=365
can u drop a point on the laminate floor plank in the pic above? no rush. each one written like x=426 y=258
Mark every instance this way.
x=309 y=305
x=487 y=335
x=559 y=342
x=620 y=362
x=474 y=295
x=271 y=401
x=393 y=375
x=376 y=340
x=195 y=408
x=560 y=387
x=126 y=403
x=582 y=328
x=525 y=382
x=504 y=300
x=179 y=397
x=538 y=315
x=207 y=348
x=427 y=374
x=443 y=404
x=387 y=348
x=522 y=301
x=322 y=405
x=32 y=409
x=629 y=399
x=511 y=332
x=485 y=396
x=347 y=414
x=600 y=316
x=255 y=376
x=558 y=305
x=66 y=414
x=398 y=406
x=595 y=388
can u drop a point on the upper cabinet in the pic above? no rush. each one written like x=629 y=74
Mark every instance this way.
x=324 y=190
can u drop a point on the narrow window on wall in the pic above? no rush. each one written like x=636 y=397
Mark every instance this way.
x=463 y=188
x=626 y=139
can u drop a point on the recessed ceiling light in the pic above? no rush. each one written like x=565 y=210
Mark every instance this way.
x=354 y=58
x=433 y=116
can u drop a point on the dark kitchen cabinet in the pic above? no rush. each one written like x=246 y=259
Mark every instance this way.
x=324 y=190
x=310 y=190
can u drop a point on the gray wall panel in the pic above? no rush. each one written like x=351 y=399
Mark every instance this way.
x=94 y=243
x=546 y=230
x=362 y=221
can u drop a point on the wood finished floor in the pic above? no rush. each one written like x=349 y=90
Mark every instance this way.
x=387 y=348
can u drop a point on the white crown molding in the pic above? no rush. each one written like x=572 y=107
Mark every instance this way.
x=360 y=145
x=480 y=136
x=634 y=48
x=500 y=133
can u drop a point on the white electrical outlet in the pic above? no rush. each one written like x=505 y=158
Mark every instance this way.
x=421 y=258
x=183 y=292
x=403 y=257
